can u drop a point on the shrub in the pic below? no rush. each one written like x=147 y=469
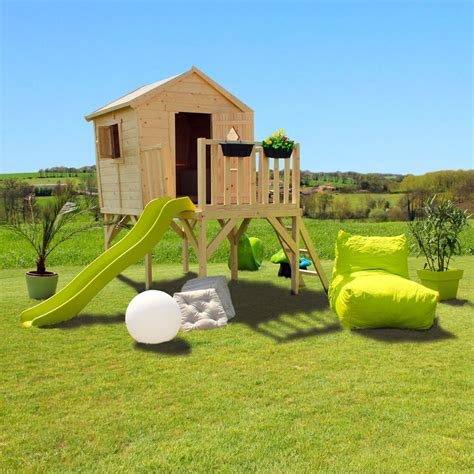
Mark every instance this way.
x=396 y=214
x=378 y=215
x=343 y=209
x=13 y=193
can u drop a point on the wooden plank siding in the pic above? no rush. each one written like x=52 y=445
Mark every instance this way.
x=146 y=169
x=156 y=119
x=119 y=179
x=243 y=124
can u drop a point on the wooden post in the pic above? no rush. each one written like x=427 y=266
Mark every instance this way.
x=227 y=181
x=253 y=178
x=286 y=181
x=295 y=185
x=295 y=257
x=106 y=231
x=185 y=253
x=240 y=181
x=260 y=176
x=276 y=181
x=148 y=271
x=201 y=172
x=234 y=260
x=214 y=173
x=264 y=172
x=202 y=248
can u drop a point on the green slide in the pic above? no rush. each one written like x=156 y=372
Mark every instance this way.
x=249 y=253
x=64 y=305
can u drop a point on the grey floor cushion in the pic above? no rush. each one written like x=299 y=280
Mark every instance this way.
x=219 y=283
x=200 y=309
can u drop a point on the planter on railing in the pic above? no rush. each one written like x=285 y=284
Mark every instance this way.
x=239 y=150
x=271 y=152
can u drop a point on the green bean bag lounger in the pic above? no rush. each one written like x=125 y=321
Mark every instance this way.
x=249 y=253
x=370 y=287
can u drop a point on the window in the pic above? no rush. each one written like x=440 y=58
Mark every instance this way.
x=109 y=141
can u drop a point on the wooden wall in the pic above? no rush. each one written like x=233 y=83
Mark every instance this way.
x=156 y=126
x=147 y=169
x=244 y=126
x=119 y=180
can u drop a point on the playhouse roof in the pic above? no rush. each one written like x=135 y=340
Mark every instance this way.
x=131 y=99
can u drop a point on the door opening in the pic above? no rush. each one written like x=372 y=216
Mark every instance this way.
x=188 y=128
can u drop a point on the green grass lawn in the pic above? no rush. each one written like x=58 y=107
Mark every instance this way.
x=82 y=249
x=281 y=389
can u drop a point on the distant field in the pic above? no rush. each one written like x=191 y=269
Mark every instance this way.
x=339 y=184
x=52 y=178
x=361 y=199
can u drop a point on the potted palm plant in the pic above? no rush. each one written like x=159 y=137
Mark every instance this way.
x=278 y=145
x=437 y=236
x=45 y=227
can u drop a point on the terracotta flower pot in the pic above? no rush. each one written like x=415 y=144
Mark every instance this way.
x=445 y=283
x=41 y=286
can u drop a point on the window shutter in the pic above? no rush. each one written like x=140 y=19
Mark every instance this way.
x=105 y=142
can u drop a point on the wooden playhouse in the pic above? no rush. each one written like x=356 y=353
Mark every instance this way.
x=164 y=140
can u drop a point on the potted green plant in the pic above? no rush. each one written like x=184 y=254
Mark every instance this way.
x=45 y=227
x=437 y=236
x=278 y=145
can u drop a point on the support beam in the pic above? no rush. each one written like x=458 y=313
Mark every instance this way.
x=188 y=230
x=242 y=229
x=148 y=271
x=185 y=259
x=295 y=257
x=177 y=229
x=202 y=248
x=148 y=260
x=314 y=255
x=220 y=237
x=234 y=258
x=280 y=229
x=113 y=228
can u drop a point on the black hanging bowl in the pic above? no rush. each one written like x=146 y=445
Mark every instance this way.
x=236 y=149
x=271 y=152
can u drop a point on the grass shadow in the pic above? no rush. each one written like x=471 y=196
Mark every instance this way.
x=457 y=303
x=389 y=335
x=88 y=320
x=175 y=347
x=266 y=308
x=169 y=286
x=273 y=311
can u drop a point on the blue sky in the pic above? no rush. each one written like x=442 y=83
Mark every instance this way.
x=365 y=86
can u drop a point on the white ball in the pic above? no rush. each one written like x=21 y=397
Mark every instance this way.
x=153 y=317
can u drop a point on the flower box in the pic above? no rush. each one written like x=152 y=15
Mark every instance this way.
x=239 y=150
x=277 y=152
x=278 y=145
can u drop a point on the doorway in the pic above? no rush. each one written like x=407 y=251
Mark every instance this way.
x=188 y=128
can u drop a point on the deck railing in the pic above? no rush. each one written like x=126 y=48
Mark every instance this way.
x=250 y=181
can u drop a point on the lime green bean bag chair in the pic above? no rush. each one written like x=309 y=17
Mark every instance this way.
x=249 y=253
x=370 y=287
